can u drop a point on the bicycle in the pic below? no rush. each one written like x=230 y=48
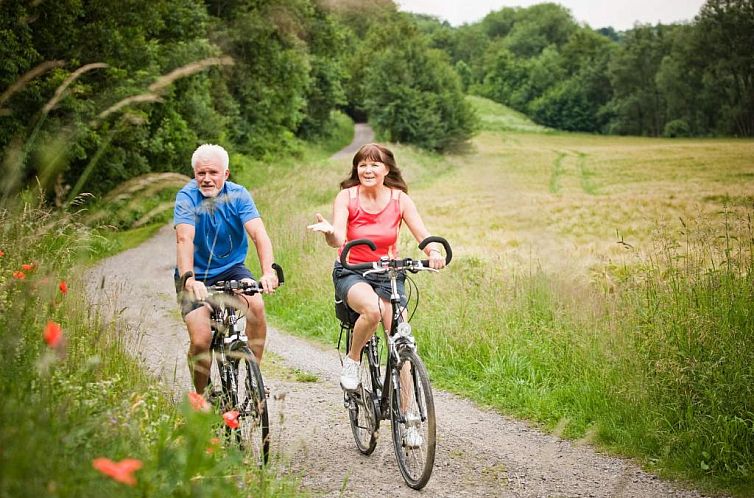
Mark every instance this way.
x=404 y=394
x=236 y=384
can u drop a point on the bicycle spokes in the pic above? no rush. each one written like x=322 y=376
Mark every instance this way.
x=413 y=419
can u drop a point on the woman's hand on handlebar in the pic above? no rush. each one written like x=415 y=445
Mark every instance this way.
x=436 y=259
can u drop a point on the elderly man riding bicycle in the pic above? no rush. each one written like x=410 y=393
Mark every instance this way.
x=212 y=219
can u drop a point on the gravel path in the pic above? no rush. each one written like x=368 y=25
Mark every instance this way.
x=363 y=134
x=479 y=452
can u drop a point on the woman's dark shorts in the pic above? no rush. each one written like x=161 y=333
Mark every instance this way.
x=188 y=304
x=343 y=279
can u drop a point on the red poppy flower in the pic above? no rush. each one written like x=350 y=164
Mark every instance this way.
x=2 y=253
x=63 y=287
x=19 y=275
x=231 y=419
x=198 y=402
x=119 y=471
x=27 y=266
x=53 y=334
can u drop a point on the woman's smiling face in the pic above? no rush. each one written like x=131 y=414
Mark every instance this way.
x=371 y=173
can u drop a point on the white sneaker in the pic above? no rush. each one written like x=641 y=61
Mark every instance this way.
x=349 y=377
x=412 y=438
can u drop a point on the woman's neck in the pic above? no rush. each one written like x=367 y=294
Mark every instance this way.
x=373 y=192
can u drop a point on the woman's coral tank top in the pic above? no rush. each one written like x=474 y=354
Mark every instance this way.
x=381 y=228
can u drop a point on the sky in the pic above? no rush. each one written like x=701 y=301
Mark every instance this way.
x=620 y=14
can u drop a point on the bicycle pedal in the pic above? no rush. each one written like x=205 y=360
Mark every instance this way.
x=349 y=403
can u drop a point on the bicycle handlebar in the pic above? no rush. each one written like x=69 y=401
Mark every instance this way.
x=408 y=261
x=244 y=287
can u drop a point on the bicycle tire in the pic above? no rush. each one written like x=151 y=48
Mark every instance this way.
x=364 y=422
x=415 y=463
x=249 y=399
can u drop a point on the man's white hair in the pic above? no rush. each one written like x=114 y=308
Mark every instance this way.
x=208 y=152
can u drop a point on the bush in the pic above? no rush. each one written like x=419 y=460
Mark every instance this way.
x=411 y=93
x=676 y=128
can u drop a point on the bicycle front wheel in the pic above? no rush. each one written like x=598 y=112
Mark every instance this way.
x=253 y=432
x=361 y=415
x=412 y=415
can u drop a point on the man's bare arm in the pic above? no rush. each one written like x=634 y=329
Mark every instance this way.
x=258 y=234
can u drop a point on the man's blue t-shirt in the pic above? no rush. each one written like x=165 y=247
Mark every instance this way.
x=220 y=238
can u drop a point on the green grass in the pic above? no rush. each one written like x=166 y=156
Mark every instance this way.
x=497 y=117
x=87 y=398
x=562 y=308
x=107 y=242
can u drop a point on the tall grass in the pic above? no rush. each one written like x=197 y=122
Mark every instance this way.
x=64 y=405
x=693 y=327
x=660 y=369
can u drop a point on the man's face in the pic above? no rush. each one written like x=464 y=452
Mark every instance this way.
x=210 y=176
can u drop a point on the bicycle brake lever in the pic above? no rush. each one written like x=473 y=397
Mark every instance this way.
x=375 y=270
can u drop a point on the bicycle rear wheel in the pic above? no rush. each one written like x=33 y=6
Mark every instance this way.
x=364 y=422
x=412 y=415
x=249 y=399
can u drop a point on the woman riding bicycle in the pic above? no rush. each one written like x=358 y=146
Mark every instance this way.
x=372 y=204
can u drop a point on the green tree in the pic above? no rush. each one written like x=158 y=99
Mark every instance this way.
x=411 y=92
x=575 y=101
x=725 y=30
x=327 y=49
x=680 y=78
x=538 y=27
x=638 y=105
x=506 y=79
x=271 y=75
x=138 y=41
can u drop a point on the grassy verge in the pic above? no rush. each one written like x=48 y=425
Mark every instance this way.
x=107 y=242
x=72 y=395
x=641 y=347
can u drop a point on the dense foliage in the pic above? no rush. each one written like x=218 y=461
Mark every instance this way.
x=131 y=88
x=672 y=80
x=101 y=92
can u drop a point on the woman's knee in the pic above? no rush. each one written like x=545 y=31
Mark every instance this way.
x=371 y=314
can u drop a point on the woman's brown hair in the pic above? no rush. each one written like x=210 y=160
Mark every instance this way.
x=378 y=153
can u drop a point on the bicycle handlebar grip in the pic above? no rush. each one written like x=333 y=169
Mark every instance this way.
x=279 y=271
x=347 y=249
x=440 y=240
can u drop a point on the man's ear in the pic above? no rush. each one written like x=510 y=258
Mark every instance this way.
x=227 y=173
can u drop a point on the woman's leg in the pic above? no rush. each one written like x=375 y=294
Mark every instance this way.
x=363 y=300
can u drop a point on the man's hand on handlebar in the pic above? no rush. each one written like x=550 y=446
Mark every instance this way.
x=268 y=283
x=197 y=288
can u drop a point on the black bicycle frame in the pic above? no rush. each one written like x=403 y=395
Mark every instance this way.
x=223 y=320
x=383 y=391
